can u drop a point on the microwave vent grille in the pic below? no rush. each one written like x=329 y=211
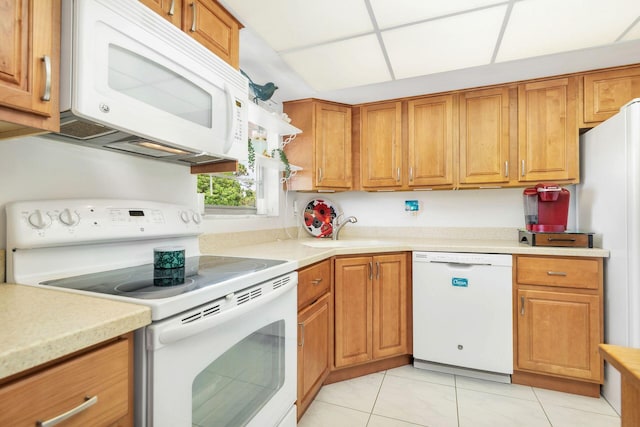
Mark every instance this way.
x=83 y=130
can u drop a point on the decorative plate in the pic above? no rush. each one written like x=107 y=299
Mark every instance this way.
x=318 y=217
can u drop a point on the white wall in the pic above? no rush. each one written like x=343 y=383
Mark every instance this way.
x=37 y=168
x=463 y=208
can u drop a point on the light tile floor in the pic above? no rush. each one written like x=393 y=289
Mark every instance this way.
x=406 y=396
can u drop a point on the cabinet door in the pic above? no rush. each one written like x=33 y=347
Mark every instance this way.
x=548 y=131
x=558 y=333
x=333 y=146
x=212 y=26
x=352 y=308
x=313 y=349
x=29 y=58
x=390 y=305
x=484 y=136
x=431 y=141
x=171 y=10
x=605 y=92
x=381 y=145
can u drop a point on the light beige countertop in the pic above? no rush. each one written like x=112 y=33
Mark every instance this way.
x=39 y=325
x=307 y=251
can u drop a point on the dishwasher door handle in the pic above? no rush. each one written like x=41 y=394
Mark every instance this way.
x=470 y=264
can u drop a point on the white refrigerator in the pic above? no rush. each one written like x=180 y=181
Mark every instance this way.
x=608 y=203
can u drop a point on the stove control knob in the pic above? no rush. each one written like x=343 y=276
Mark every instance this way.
x=184 y=216
x=67 y=217
x=39 y=220
x=197 y=218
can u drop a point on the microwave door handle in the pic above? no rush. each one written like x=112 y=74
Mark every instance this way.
x=177 y=332
x=230 y=113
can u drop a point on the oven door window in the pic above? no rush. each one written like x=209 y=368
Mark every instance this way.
x=234 y=387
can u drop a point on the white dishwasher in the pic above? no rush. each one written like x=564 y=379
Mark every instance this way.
x=462 y=316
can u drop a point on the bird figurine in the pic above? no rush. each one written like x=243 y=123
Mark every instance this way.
x=262 y=92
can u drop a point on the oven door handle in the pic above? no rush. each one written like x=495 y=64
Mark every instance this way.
x=178 y=331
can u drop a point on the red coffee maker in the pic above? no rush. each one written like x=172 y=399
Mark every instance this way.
x=546 y=208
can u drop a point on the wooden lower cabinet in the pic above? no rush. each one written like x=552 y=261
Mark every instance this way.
x=559 y=323
x=315 y=330
x=101 y=380
x=313 y=350
x=371 y=308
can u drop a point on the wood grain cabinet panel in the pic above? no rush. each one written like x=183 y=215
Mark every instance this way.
x=171 y=10
x=29 y=66
x=103 y=373
x=559 y=333
x=430 y=141
x=484 y=136
x=207 y=22
x=323 y=149
x=381 y=151
x=604 y=93
x=558 y=323
x=371 y=314
x=313 y=350
x=315 y=330
x=548 y=130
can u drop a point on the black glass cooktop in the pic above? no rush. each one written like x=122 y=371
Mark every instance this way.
x=147 y=282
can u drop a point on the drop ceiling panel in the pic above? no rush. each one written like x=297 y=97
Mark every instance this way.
x=634 y=32
x=399 y=12
x=459 y=41
x=289 y=24
x=354 y=62
x=542 y=27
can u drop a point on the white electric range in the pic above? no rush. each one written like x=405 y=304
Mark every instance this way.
x=221 y=349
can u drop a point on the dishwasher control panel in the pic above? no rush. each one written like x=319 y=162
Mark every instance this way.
x=463 y=258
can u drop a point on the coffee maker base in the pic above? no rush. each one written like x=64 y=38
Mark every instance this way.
x=563 y=239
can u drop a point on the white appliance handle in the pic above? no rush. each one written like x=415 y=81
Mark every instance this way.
x=228 y=143
x=177 y=332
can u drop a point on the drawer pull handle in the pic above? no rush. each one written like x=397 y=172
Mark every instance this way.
x=301 y=326
x=46 y=96
x=522 y=306
x=195 y=11
x=555 y=239
x=88 y=402
x=556 y=273
x=172 y=8
x=316 y=282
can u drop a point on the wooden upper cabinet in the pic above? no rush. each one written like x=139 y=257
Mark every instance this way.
x=323 y=149
x=207 y=22
x=29 y=66
x=548 y=131
x=171 y=10
x=210 y=24
x=430 y=141
x=605 y=92
x=381 y=151
x=484 y=142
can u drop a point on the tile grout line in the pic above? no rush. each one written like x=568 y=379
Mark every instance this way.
x=542 y=406
x=455 y=386
x=377 y=395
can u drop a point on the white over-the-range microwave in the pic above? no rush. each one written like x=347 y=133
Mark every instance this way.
x=132 y=82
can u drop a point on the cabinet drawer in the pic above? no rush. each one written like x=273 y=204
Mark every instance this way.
x=583 y=273
x=45 y=395
x=313 y=282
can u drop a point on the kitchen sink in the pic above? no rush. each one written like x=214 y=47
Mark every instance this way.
x=322 y=243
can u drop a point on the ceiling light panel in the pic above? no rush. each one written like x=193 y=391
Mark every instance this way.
x=290 y=24
x=399 y=12
x=459 y=41
x=542 y=27
x=354 y=62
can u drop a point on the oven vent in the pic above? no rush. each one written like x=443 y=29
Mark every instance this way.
x=250 y=294
x=192 y=317
x=281 y=282
x=210 y=311
x=205 y=312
